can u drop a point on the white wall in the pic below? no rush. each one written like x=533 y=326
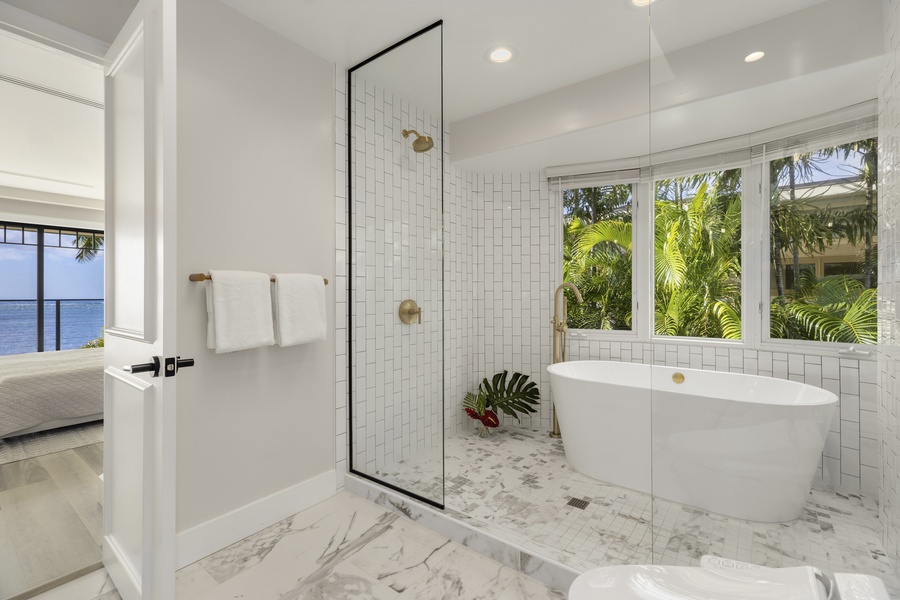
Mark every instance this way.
x=888 y=279
x=256 y=192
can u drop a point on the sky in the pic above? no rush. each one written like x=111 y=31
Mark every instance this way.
x=64 y=277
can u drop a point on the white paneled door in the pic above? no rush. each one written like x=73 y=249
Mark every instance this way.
x=139 y=405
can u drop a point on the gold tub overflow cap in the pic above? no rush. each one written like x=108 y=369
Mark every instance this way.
x=678 y=378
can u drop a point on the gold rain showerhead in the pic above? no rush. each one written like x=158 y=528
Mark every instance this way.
x=422 y=143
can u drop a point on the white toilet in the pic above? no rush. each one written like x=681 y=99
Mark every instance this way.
x=722 y=579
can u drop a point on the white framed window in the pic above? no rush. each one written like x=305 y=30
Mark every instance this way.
x=823 y=242
x=727 y=229
x=697 y=255
x=598 y=236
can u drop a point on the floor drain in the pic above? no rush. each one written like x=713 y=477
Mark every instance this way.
x=582 y=504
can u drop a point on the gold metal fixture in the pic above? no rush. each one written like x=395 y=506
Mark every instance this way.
x=678 y=378
x=559 y=335
x=205 y=277
x=410 y=312
x=422 y=143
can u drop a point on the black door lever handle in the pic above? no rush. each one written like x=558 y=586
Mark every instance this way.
x=150 y=367
x=174 y=364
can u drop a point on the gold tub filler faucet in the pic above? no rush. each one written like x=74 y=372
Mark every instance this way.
x=559 y=335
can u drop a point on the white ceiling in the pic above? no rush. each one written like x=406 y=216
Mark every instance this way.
x=99 y=19
x=558 y=99
x=557 y=43
x=588 y=74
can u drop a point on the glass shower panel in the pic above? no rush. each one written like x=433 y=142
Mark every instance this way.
x=396 y=267
x=763 y=129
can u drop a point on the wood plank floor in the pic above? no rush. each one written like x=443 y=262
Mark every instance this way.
x=51 y=522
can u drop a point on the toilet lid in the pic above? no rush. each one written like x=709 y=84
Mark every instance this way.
x=648 y=582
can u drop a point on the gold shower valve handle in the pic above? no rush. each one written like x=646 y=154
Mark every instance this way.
x=410 y=312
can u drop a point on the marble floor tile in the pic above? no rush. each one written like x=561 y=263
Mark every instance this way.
x=348 y=547
x=516 y=484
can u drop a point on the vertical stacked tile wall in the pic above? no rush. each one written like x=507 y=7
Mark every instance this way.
x=396 y=220
x=461 y=270
x=518 y=258
x=888 y=280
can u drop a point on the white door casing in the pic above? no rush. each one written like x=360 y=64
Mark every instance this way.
x=139 y=410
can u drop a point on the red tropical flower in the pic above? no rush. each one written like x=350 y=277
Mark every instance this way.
x=471 y=412
x=489 y=419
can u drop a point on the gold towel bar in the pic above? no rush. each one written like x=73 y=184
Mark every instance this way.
x=205 y=277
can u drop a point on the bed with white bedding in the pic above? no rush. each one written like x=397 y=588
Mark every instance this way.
x=44 y=390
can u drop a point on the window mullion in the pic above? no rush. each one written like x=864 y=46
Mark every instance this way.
x=643 y=262
x=755 y=239
x=40 y=288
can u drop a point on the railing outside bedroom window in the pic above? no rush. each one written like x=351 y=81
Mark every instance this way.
x=51 y=288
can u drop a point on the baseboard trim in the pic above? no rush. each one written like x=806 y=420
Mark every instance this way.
x=215 y=534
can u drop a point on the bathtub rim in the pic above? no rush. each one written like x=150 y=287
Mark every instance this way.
x=822 y=397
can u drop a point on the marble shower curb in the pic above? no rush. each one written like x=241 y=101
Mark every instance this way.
x=551 y=573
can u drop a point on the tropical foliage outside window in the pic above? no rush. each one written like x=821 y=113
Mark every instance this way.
x=597 y=255
x=697 y=255
x=822 y=222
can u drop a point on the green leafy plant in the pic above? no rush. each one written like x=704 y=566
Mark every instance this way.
x=96 y=342
x=511 y=396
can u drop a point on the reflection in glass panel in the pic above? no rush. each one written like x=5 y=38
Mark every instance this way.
x=396 y=228
x=697 y=256
x=747 y=465
x=597 y=257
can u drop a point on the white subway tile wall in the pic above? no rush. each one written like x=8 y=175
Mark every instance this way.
x=460 y=284
x=397 y=251
x=887 y=421
x=517 y=254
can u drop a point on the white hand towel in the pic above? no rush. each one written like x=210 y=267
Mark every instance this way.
x=239 y=306
x=299 y=307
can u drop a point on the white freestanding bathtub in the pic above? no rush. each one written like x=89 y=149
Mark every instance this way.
x=743 y=446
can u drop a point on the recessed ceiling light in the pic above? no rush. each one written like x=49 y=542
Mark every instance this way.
x=500 y=55
x=754 y=56
x=642 y=2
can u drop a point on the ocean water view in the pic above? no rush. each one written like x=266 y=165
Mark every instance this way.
x=80 y=322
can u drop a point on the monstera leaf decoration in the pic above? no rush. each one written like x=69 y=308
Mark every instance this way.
x=509 y=395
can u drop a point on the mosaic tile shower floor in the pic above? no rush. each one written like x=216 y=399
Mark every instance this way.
x=517 y=484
